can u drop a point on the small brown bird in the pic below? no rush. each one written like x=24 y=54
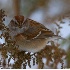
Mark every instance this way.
x=31 y=36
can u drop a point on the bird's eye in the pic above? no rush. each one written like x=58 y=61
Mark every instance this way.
x=16 y=24
x=13 y=23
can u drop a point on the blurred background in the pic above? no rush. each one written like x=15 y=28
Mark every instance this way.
x=47 y=12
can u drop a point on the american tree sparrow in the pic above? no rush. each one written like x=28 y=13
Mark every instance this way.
x=31 y=36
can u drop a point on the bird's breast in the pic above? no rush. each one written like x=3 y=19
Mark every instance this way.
x=33 y=45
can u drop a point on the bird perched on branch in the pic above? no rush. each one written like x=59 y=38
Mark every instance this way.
x=31 y=36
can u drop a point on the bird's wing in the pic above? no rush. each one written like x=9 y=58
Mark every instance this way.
x=48 y=34
x=35 y=28
x=45 y=34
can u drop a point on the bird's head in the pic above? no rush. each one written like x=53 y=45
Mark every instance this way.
x=18 y=25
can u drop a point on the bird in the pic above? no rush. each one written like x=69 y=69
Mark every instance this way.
x=29 y=35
